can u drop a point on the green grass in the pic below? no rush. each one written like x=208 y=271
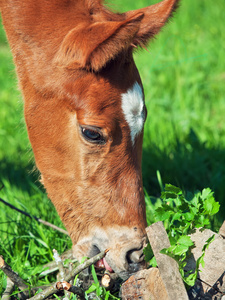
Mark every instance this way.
x=184 y=80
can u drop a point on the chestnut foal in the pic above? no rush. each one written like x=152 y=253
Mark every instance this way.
x=85 y=113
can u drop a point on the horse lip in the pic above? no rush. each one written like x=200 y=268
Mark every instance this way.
x=102 y=264
x=107 y=266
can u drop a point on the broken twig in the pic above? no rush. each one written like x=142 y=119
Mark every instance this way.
x=33 y=217
x=107 y=280
x=70 y=288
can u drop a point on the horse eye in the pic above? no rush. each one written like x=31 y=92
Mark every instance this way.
x=93 y=135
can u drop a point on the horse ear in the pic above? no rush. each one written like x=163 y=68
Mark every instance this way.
x=155 y=16
x=92 y=46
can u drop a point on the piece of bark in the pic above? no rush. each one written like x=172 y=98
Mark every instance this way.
x=168 y=267
x=222 y=230
x=144 y=285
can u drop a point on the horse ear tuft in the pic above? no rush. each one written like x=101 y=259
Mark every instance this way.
x=91 y=46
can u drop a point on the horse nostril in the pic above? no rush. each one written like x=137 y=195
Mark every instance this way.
x=135 y=256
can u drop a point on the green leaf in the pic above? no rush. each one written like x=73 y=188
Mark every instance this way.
x=91 y=289
x=94 y=275
x=190 y=280
x=153 y=262
x=207 y=193
x=185 y=240
x=208 y=242
x=176 y=216
x=173 y=189
x=107 y=295
x=168 y=196
x=211 y=206
x=148 y=253
x=188 y=216
x=161 y=214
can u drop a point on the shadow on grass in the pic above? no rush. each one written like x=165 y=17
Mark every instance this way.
x=191 y=165
x=20 y=175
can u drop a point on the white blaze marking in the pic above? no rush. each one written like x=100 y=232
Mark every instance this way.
x=133 y=109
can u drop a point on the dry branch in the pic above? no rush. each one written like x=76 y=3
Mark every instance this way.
x=53 y=289
x=12 y=275
x=14 y=279
x=61 y=275
x=59 y=263
x=52 y=267
x=33 y=217
x=9 y=289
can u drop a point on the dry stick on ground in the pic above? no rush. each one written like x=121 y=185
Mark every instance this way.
x=53 y=267
x=14 y=278
x=33 y=217
x=52 y=289
x=12 y=275
x=59 y=263
x=9 y=289
x=61 y=274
